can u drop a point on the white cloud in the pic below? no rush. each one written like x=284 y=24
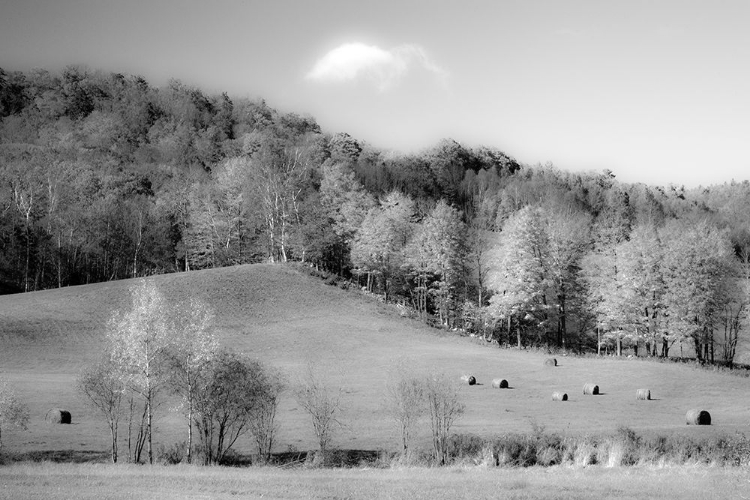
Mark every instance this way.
x=384 y=68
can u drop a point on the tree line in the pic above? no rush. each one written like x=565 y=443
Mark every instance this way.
x=156 y=350
x=105 y=177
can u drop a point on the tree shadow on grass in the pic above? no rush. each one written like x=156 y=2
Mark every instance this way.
x=334 y=458
x=64 y=456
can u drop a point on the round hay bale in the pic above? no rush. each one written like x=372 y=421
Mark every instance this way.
x=468 y=379
x=643 y=394
x=559 y=396
x=472 y=381
x=550 y=362
x=698 y=417
x=58 y=416
x=500 y=383
x=591 y=389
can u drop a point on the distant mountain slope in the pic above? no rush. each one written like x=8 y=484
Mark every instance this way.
x=289 y=320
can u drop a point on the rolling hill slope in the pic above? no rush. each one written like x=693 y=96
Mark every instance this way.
x=289 y=320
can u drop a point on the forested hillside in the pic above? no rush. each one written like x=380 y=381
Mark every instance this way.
x=104 y=177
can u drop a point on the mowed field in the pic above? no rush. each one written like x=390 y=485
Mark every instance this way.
x=289 y=320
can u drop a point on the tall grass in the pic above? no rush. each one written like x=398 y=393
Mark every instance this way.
x=53 y=481
x=624 y=448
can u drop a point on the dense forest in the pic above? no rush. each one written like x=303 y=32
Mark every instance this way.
x=105 y=177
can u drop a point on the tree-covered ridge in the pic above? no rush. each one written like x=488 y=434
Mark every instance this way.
x=106 y=177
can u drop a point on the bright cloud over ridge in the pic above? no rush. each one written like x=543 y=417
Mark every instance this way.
x=384 y=68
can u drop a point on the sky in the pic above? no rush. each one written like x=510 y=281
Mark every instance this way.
x=655 y=91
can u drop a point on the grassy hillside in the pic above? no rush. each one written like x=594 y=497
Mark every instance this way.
x=288 y=319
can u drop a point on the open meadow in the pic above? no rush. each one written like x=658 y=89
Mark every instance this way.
x=47 y=481
x=288 y=320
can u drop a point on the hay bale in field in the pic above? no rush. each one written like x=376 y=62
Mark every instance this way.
x=591 y=389
x=698 y=417
x=499 y=383
x=559 y=396
x=469 y=379
x=643 y=394
x=58 y=416
x=550 y=362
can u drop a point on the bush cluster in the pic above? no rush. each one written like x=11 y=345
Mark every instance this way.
x=623 y=448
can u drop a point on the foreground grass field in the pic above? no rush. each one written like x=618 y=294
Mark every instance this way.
x=288 y=319
x=63 y=481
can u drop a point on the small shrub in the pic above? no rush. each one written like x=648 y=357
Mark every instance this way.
x=738 y=451
x=322 y=403
x=548 y=455
x=172 y=455
x=405 y=400
x=584 y=452
x=487 y=458
x=445 y=407
x=13 y=411
x=233 y=459
x=626 y=447
x=516 y=450
x=465 y=446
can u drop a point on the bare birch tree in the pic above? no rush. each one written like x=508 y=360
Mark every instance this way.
x=141 y=338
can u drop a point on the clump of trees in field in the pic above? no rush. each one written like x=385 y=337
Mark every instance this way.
x=412 y=396
x=154 y=351
x=107 y=177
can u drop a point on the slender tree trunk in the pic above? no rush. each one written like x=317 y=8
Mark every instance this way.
x=239 y=239
x=150 y=450
x=130 y=429
x=508 y=332
x=139 y=235
x=59 y=261
x=28 y=257
x=518 y=334
x=113 y=428
x=190 y=425
x=562 y=323
x=270 y=241
x=698 y=348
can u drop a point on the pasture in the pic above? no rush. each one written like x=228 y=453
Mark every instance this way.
x=63 y=481
x=289 y=320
